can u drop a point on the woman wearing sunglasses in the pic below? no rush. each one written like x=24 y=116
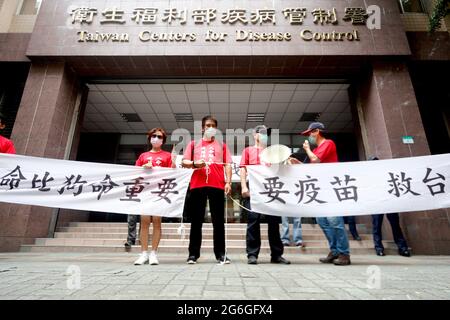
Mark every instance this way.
x=156 y=157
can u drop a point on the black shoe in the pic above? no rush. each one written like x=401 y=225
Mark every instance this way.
x=286 y=244
x=191 y=260
x=380 y=253
x=280 y=260
x=357 y=238
x=224 y=260
x=252 y=260
x=405 y=253
x=128 y=245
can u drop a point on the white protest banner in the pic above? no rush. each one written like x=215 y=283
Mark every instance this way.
x=351 y=188
x=93 y=186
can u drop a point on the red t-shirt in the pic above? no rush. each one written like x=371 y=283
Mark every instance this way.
x=209 y=151
x=158 y=159
x=251 y=156
x=6 y=146
x=326 y=152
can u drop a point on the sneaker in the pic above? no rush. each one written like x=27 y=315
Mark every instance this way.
x=143 y=259
x=191 y=260
x=299 y=244
x=224 y=260
x=380 y=253
x=252 y=260
x=286 y=244
x=342 y=260
x=279 y=260
x=153 y=259
x=329 y=259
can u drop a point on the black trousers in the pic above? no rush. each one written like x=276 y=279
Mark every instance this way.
x=254 y=233
x=197 y=207
x=351 y=225
x=132 y=224
x=377 y=223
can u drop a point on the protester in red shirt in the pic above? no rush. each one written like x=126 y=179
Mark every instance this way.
x=251 y=156
x=156 y=157
x=209 y=157
x=333 y=227
x=6 y=145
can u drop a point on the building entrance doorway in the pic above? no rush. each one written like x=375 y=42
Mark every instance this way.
x=118 y=115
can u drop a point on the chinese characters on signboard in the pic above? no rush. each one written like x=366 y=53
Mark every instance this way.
x=210 y=17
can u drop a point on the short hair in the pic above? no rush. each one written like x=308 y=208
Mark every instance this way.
x=209 y=117
x=154 y=130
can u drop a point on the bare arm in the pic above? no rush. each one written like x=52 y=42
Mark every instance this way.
x=243 y=174
x=187 y=164
x=191 y=164
x=228 y=173
x=244 y=188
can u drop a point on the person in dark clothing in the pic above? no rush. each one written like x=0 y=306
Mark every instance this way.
x=132 y=221
x=251 y=156
x=394 y=220
x=351 y=221
x=400 y=241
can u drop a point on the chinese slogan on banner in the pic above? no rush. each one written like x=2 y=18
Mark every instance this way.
x=309 y=190
x=352 y=188
x=93 y=186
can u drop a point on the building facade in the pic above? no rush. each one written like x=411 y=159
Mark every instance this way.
x=85 y=81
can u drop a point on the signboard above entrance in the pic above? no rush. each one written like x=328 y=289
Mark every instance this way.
x=247 y=27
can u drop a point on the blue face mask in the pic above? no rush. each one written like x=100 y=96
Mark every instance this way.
x=263 y=139
x=312 y=140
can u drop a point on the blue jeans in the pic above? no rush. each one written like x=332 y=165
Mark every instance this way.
x=334 y=229
x=296 y=232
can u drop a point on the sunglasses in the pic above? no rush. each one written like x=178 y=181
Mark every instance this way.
x=157 y=136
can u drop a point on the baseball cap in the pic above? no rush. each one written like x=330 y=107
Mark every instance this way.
x=313 y=126
x=262 y=129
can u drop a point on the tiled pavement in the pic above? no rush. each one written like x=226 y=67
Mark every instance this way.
x=113 y=276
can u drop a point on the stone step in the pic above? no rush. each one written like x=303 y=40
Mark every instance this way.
x=183 y=243
x=184 y=250
x=174 y=235
x=110 y=237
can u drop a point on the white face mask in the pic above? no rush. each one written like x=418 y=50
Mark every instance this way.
x=263 y=139
x=156 y=142
x=210 y=133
